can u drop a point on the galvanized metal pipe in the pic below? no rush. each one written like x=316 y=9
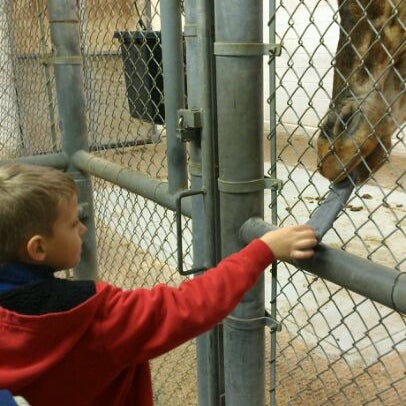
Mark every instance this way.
x=198 y=35
x=127 y=178
x=47 y=74
x=58 y=160
x=239 y=79
x=373 y=281
x=174 y=90
x=274 y=194
x=195 y=162
x=67 y=61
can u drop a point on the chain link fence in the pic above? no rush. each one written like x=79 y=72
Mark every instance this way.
x=28 y=115
x=135 y=237
x=335 y=347
x=124 y=90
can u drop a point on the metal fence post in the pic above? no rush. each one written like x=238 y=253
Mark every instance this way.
x=274 y=207
x=198 y=35
x=174 y=90
x=67 y=62
x=238 y=50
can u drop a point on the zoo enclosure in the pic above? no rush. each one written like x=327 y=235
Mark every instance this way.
x=338 y=345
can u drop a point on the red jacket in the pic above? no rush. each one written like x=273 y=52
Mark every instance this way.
x=97 y=352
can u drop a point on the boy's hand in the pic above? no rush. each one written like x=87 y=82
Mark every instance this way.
x=291 y=242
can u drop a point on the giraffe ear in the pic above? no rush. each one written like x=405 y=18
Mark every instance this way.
x=35 y=248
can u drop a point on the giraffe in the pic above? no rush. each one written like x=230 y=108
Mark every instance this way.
x=368 y=99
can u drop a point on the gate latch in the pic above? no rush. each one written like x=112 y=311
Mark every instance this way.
x=180 y=196
x=189 y=125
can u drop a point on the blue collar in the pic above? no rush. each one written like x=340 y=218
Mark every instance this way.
x=15 y=274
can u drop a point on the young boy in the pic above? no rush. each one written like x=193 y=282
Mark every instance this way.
x=88 y=343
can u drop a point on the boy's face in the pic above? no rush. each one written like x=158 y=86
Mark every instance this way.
x=64 y=247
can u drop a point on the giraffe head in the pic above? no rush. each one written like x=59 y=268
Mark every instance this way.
x=369 y=99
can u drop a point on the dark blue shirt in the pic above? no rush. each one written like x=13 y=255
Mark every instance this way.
x=15 y=274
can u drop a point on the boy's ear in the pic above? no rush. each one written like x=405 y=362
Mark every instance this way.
x=36 y=248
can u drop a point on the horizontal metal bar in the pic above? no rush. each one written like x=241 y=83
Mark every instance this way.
x=58 y=160
x=129 y=179
x=125 y=144
x=89 y=54
x=377 y=282
x=62 y=60
x=65 y=21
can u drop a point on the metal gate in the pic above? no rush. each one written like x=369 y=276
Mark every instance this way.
x=142 y=101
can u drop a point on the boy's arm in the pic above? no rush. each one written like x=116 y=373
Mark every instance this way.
x=143 y=324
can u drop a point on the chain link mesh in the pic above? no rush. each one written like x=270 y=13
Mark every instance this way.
x=28 y=114
x=336 y=347
x=122 y=66
x=136 y=238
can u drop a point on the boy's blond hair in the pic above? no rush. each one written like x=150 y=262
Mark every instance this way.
x=29 y=202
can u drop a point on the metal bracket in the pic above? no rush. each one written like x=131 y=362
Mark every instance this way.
x=249 y=186
x=253 y=324
x=178 y=212
x=190 y=30
x=246 y=49
x=271 y=323
x=195 y=168
x=273 y=184
x=189 y=125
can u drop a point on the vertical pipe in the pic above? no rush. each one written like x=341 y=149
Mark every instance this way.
x=204 y=383
x=64 y=23
x=274 y=207
x=199 y=65
x=174 y=90
x=43 y=50
x=211 y=390
x=240 y=133
x=13 y=76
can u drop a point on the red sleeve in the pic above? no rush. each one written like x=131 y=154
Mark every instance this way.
x=142 y=324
